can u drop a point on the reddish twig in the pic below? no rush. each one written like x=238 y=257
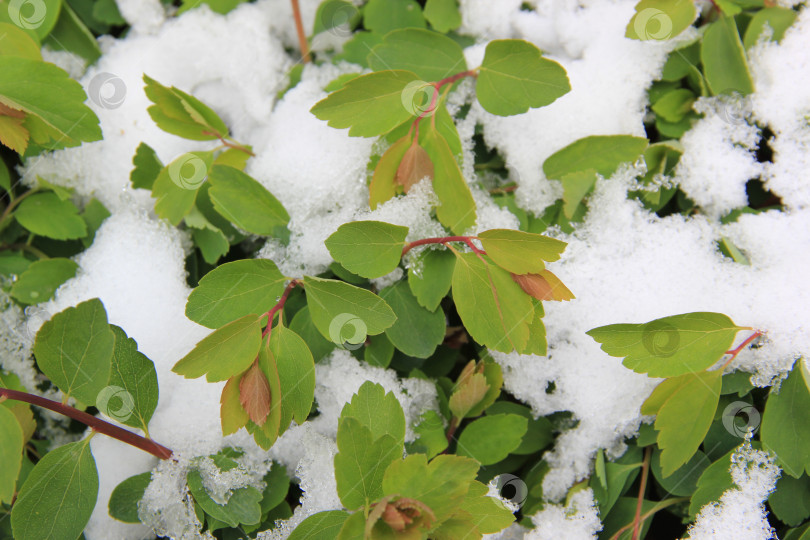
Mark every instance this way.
x=743 y=345
x=97 y=424
x=645 y=470
x=229 y=144
x=299 y=28
x=279 y=306
x=443 y=240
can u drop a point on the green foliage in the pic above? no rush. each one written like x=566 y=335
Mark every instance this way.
x=321 y=526
x=46 y=214
x=296 y=375
x=123 y=504
x=443 y=15
x=370 y=249
x=723 y=58
x=242 y=507
x=181 y=114
x=41 y=279
x=244 y=202
x=491 y=438
x=660 y=19
x=416 y=332
x=778 y=19
x=430 y=55
x=10 y=453
x=786 y=422
x=431 y=276
x=383 y=16
x=134 y=381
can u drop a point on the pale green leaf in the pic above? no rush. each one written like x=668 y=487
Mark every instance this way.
x=379 y=351
x=16 y=42
x=431 y=439
x=296 y=374
x=776 y=18
x=713 y=482
x=377 y=410
x=321 y=526
x=786 y=424
x=370 y=249
x=520 y=252
x=46 y=214
x=491 y=438
x=539 y=431
x=132 y=394
x=603 y=153
x=382 y=16
x=41 y=279
x=383 y=186
x=723 y=57
x=10 y=453
x=430 y=276
x=660 y=19
x=443 y=15
x=416 y=332
x=430 y=55
x=242 y=506
x=489 y=515
x=72 y=35
x=245 y=202
x=181 y=114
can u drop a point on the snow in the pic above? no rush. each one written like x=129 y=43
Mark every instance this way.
x=577 y=520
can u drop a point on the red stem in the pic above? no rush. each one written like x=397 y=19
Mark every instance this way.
x=299 y=28
x=743 y=345
x=279 y=306
x=451 y=429
x=99 y=425
x=436 y=87
x=645 y=470
x=229 y=144
x=453 y=78
x=441 y=240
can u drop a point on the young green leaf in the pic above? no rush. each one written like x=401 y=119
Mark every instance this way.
x=432 y=440
x=469 y=393
x=58 y=495
x=242 y=506
x=777 y=18
x=576 y=185
x=10 y=453
x=514 y=77
x=74 y=349
x=245 y=202
x=54 y=105
x=443 y=15
x=370 y=249
x=456 y=209
x=134 y=376
x=343 y=312
x=786 y=423
x=491 y=438
x=660 y=19
x=416 y=332
x=379 y=411
x=46 y=214
x=296 y=374
x=603 y=153
x=684 y=416
x=430 y=277
x=177 y=185
x=232 y=415
x=212 y=242
x=147 y=167
x=181 y=114
x=669 y=346
x=611 y=482
x=124 y=499
x=537 y=343
x=493 y=308
x=383 y=16
x=383 y=186
x=361 y=461
x=224 y=352
x=430 y=55
x=370 y=104
x=254 y=394
x=489 y=515
x=520 y=252
x=40 y=280
x=16 y=42
x=266 y=434
x=233 y=290
x=321 y=526
x=539 y=431
x=723 y=57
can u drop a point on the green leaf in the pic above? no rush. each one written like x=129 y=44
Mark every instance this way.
x=673 y=106
x=609 y=484
x=431 y=439
x=345 y=313
x=224 y=352
x=5 y=177
x=51 y=99
x=430 y=276
x=370 y=249
x=124 y=499
x=181 y=114
x=491 y=438
x=443 y=15
x=46 y=214
x=713 y=482
x=40 y=280
x=456 y=209
x=296 y=374
x=356 y=49
x=669 y=346
x=318 y=345
x=361 y=462
x=321 y=526
x=93 y=215
x=242 y=506
x=266 y=434
x=520 y=252
x=723 y=57
x=515 y=77
x=16 y=42
x=217 y=6
x=660 y=19
x=489 y=515
x=684 y=417
x=58 y=495
x=147 y=167
x=133 y=380
x=37 y=19
x=430 y=55
x=10 y=453
x=416 y=332
x=277 y=485
x=177 y=184
x=603 y=153
x=212 y=243
x=441 y=485
x=539 y=431
x=377 y=410
x=74 y=349
x=786 y=423
x=370 y=105
x=70 y=34
x=779 y=19
x=383 y=186
x=337 y=15
x=576 y=185
x=683 y=481
x=245 y=202
x=385 y=15
x=494 y=309
x=233 y=290
x=379 y=351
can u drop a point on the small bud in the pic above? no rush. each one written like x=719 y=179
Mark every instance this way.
x=543 y=286
x=254 y=394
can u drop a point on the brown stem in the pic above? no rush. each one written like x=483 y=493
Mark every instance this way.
x=442 y=240
x=229 y=144
x=743 y=345
x=451 y=429
x=279 y=306
x=99 y=425
x=645 y=471
x=646 y=515
x=299 y=28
